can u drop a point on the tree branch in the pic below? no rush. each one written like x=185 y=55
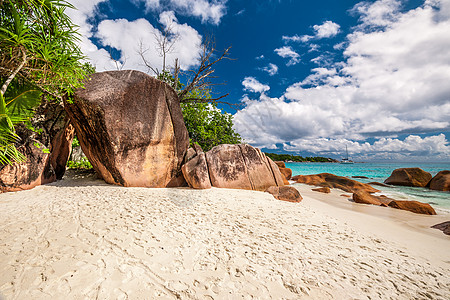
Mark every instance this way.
x=11 y=77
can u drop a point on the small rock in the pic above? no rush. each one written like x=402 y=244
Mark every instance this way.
x=285 y=193
x=444 y=227
x=334 y=181
x=325 y=190
x=366 y=198
x=413 y=206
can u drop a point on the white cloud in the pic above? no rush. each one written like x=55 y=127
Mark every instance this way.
x=85 y=9
x=272 y=69
x=251 y=84
x=126 y=36
x=326 y=30
x=288 y=52
x=394 y=81
x=297 y=38
x=207 y=11
x=412 y=147
x=380 y=13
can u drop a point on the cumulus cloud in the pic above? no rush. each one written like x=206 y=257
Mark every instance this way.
x=130 y=37
x=326 y=30
x=251 y=84
x=297 y=38
x=393 y=82
x=272 y=69
x=380 y=13
x=127 y=36
x=85 y=9
x=288 y=52
x=207 y=11
x=435 y=147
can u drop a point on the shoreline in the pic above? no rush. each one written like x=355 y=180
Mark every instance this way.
x=379 y=172
x=405 y=227
x=82 y=238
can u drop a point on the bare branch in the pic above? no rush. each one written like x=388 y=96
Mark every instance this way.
x=200 y=79
x=165 y=42
x=235 y=106
x=176 y=71
x=142 y=52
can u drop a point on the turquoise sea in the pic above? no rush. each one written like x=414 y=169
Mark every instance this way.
x=379 y=172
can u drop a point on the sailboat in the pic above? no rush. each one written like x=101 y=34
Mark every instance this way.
x=346 y=160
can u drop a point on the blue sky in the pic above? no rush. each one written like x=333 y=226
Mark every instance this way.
x=312 y=76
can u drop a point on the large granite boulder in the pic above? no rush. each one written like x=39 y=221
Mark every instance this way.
x=242 y=167
x=36 y=170
x=131 y=129
x=409 y=177
x=285 y=193
x=286 y=172
x=334 y=181
x=195 y=171
x=413 y=206
x=441 y=182
x=280 y=164
x=61 y=149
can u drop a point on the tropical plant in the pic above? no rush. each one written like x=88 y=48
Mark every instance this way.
x=39 y=60
x=208 y=125
x=14 y=109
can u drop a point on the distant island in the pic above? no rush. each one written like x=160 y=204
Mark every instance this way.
x=296 y=158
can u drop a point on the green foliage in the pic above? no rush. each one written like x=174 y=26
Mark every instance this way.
x=295 y=158
x=38 y=53
x=82 y=164
x=8 y=136
x=75 y=142
x=38 y=34
x=208 y=126
x=39 y=146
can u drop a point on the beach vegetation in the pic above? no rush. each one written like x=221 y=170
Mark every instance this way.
x=82 y=164
x=206 y=123
x=40 y=62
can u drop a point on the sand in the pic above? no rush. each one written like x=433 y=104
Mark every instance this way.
x=83 y=239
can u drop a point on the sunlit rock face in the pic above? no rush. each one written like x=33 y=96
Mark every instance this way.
x=131 y=128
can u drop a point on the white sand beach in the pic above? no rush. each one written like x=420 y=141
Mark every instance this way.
x=80 y=238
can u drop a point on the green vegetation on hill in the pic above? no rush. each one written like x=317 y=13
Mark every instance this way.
x=295 y=158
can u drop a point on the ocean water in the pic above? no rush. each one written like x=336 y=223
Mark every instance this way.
x=379 y=172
